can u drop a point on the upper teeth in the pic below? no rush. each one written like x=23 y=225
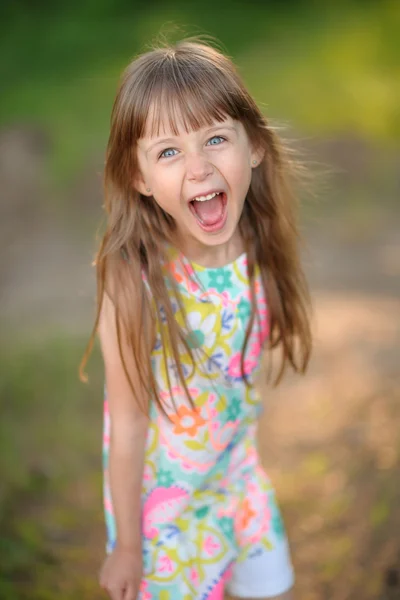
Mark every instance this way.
x=204 y=198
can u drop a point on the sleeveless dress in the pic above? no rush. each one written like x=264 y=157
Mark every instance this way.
x=208 y=507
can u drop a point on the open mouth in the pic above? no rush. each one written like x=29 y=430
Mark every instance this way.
x=210 y=211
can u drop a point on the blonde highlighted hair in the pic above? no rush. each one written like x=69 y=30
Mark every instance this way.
x=198 y=85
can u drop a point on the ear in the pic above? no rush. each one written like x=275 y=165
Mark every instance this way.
x=256 y=157
x=141 y=186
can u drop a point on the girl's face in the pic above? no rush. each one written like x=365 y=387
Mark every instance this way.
x=199 y=178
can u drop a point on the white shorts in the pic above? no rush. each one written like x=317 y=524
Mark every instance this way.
x=263 y=573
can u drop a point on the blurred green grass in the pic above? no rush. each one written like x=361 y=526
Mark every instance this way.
x=50 y=446
x=325 y=69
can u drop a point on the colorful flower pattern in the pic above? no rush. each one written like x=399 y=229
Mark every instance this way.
x=206 y=498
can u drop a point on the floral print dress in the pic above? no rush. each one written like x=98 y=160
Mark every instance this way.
x=207 y=502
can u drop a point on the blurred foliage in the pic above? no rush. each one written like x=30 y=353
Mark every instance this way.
x=324 y=67
x=46 y=447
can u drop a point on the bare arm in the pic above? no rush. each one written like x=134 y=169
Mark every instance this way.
x=127 y=434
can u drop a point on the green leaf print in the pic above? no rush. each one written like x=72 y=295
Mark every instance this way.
x=202 y=399
x=220 y=279
x=202 y=512
x=277 y=523
x=221 y=404
x=227 y=527
x=164 y=595
x=183 y=524
x=193 y=445
x=267 y=543
x=234 y=409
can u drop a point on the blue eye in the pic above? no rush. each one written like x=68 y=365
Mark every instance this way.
x=164 y=153
x=216 y=137
x=214 y=141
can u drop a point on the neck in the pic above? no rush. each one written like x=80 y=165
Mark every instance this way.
x=212 y=256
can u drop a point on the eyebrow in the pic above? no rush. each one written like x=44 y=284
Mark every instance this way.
x=171 y=140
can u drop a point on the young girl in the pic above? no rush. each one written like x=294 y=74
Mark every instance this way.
x=198 y=272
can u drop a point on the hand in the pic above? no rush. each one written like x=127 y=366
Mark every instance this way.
x=121 y=574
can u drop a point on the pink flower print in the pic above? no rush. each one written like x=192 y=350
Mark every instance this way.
x=147 y=473
x=225 y=299
x=264 y=329
x=255 y=349
x=264 y=324
x=212 y=399
x=192 y=285
x=145 y=595
x=251 y=455
x=267 y=518
x=213 y=413
x=189 y=270
x=194 y=576
x=252 y=488
x=165 y=564
x=249 y=366
x=161 y=506
x=108 y=505
x=187 y=279
x=234 y=365
x=234 y=369
x=210 y=545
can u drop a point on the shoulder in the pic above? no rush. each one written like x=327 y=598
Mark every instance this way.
x=126 y=338
x=124 y=295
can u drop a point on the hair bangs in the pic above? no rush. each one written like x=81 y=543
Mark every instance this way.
x=187 y=96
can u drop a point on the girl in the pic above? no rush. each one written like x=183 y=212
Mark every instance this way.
x=198 y=272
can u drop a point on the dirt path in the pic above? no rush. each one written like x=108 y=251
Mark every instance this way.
x=331 y=444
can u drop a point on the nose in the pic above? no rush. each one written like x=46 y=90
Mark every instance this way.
x=198 y=168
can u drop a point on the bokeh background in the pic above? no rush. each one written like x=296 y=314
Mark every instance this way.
x=328 y=74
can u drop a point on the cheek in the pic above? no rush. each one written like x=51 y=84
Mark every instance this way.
x=167 y=195
x=165 y=188
x=166 y=205
x=238 y=171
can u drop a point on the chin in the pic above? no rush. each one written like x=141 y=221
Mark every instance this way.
x=217 y=239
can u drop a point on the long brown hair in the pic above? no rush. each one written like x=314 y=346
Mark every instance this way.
x=199 y=84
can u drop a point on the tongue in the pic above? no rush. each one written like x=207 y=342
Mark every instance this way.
x=210 y=211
